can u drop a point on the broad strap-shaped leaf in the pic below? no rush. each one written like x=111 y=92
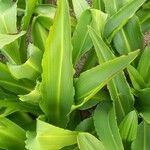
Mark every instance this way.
x=119 y=89
x=144 y=104
x=79 y=7
x=136 y=79
x=129 y=38
x=143 y=137
x=144 y=65
x=33 y=97
x=9 y=106
x=11 y=135
x=102 y=95
x=57 y=77
x=98 y=4
x=114 y=6
x=6 y=39
x=144 y=17
x=91 y=81
x=86 y=125
x=8 y=26
x=49 y=137
x=45 y=10
x=31 y=68
x=87 y=141
x=81 y=41
x=128 y=129
x=39 y=32
x=106 y=126
x=120 y=18
x=9 y=83
x=30 y=6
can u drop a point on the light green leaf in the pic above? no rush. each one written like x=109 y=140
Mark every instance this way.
x=79 y=7
x=57 y=77
x=98 y=4
x=8 y=26
x=31 y=68
x=106 y=126
x=129 y=38
x=45 y=10
x=49 y=137
x=120 y=18
x=128 y=129
x=33 y=97
x=100 y=96
x=8 y=107
x=86 y=125
x=136 y=79
x=87 y=141
x=114 y=6
x=39 y=33
x=144 y=65
x=91 y=81
x=30 y=6
x=144 y=104
x=81 y=41
x=11 y=135
x=119 y=89
x=143 y=137
x=6 y=39
x=11 y=84
x=144 y=18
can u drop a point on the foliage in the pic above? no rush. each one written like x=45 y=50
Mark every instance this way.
x=46 y=103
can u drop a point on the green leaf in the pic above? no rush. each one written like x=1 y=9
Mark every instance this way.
x=144 y=18
x=143 y=137
x=30 y=6
x=49 y=137
x=86 y=125
x=57 y=77
x=79 y=7
x=11 y=135
x=6 y=39
x=91 y=81
x=128 y=129
x=8 y=26
x=119 y=89
x=129 y=38
x=81 y=41
x=114 y=6
x=45 y=10
x=98 y=4
x=11 y=84
x=39 y=33
x=33 y=97
x=120 y=18
x=144 y=65
x=100 y=96
x=144 y=104
x=106 y=126
x=136 y=79
x=8 y=107
x=87 y=141
x=31 y=68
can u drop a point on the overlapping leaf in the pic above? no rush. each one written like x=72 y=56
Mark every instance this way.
x=57 y=77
